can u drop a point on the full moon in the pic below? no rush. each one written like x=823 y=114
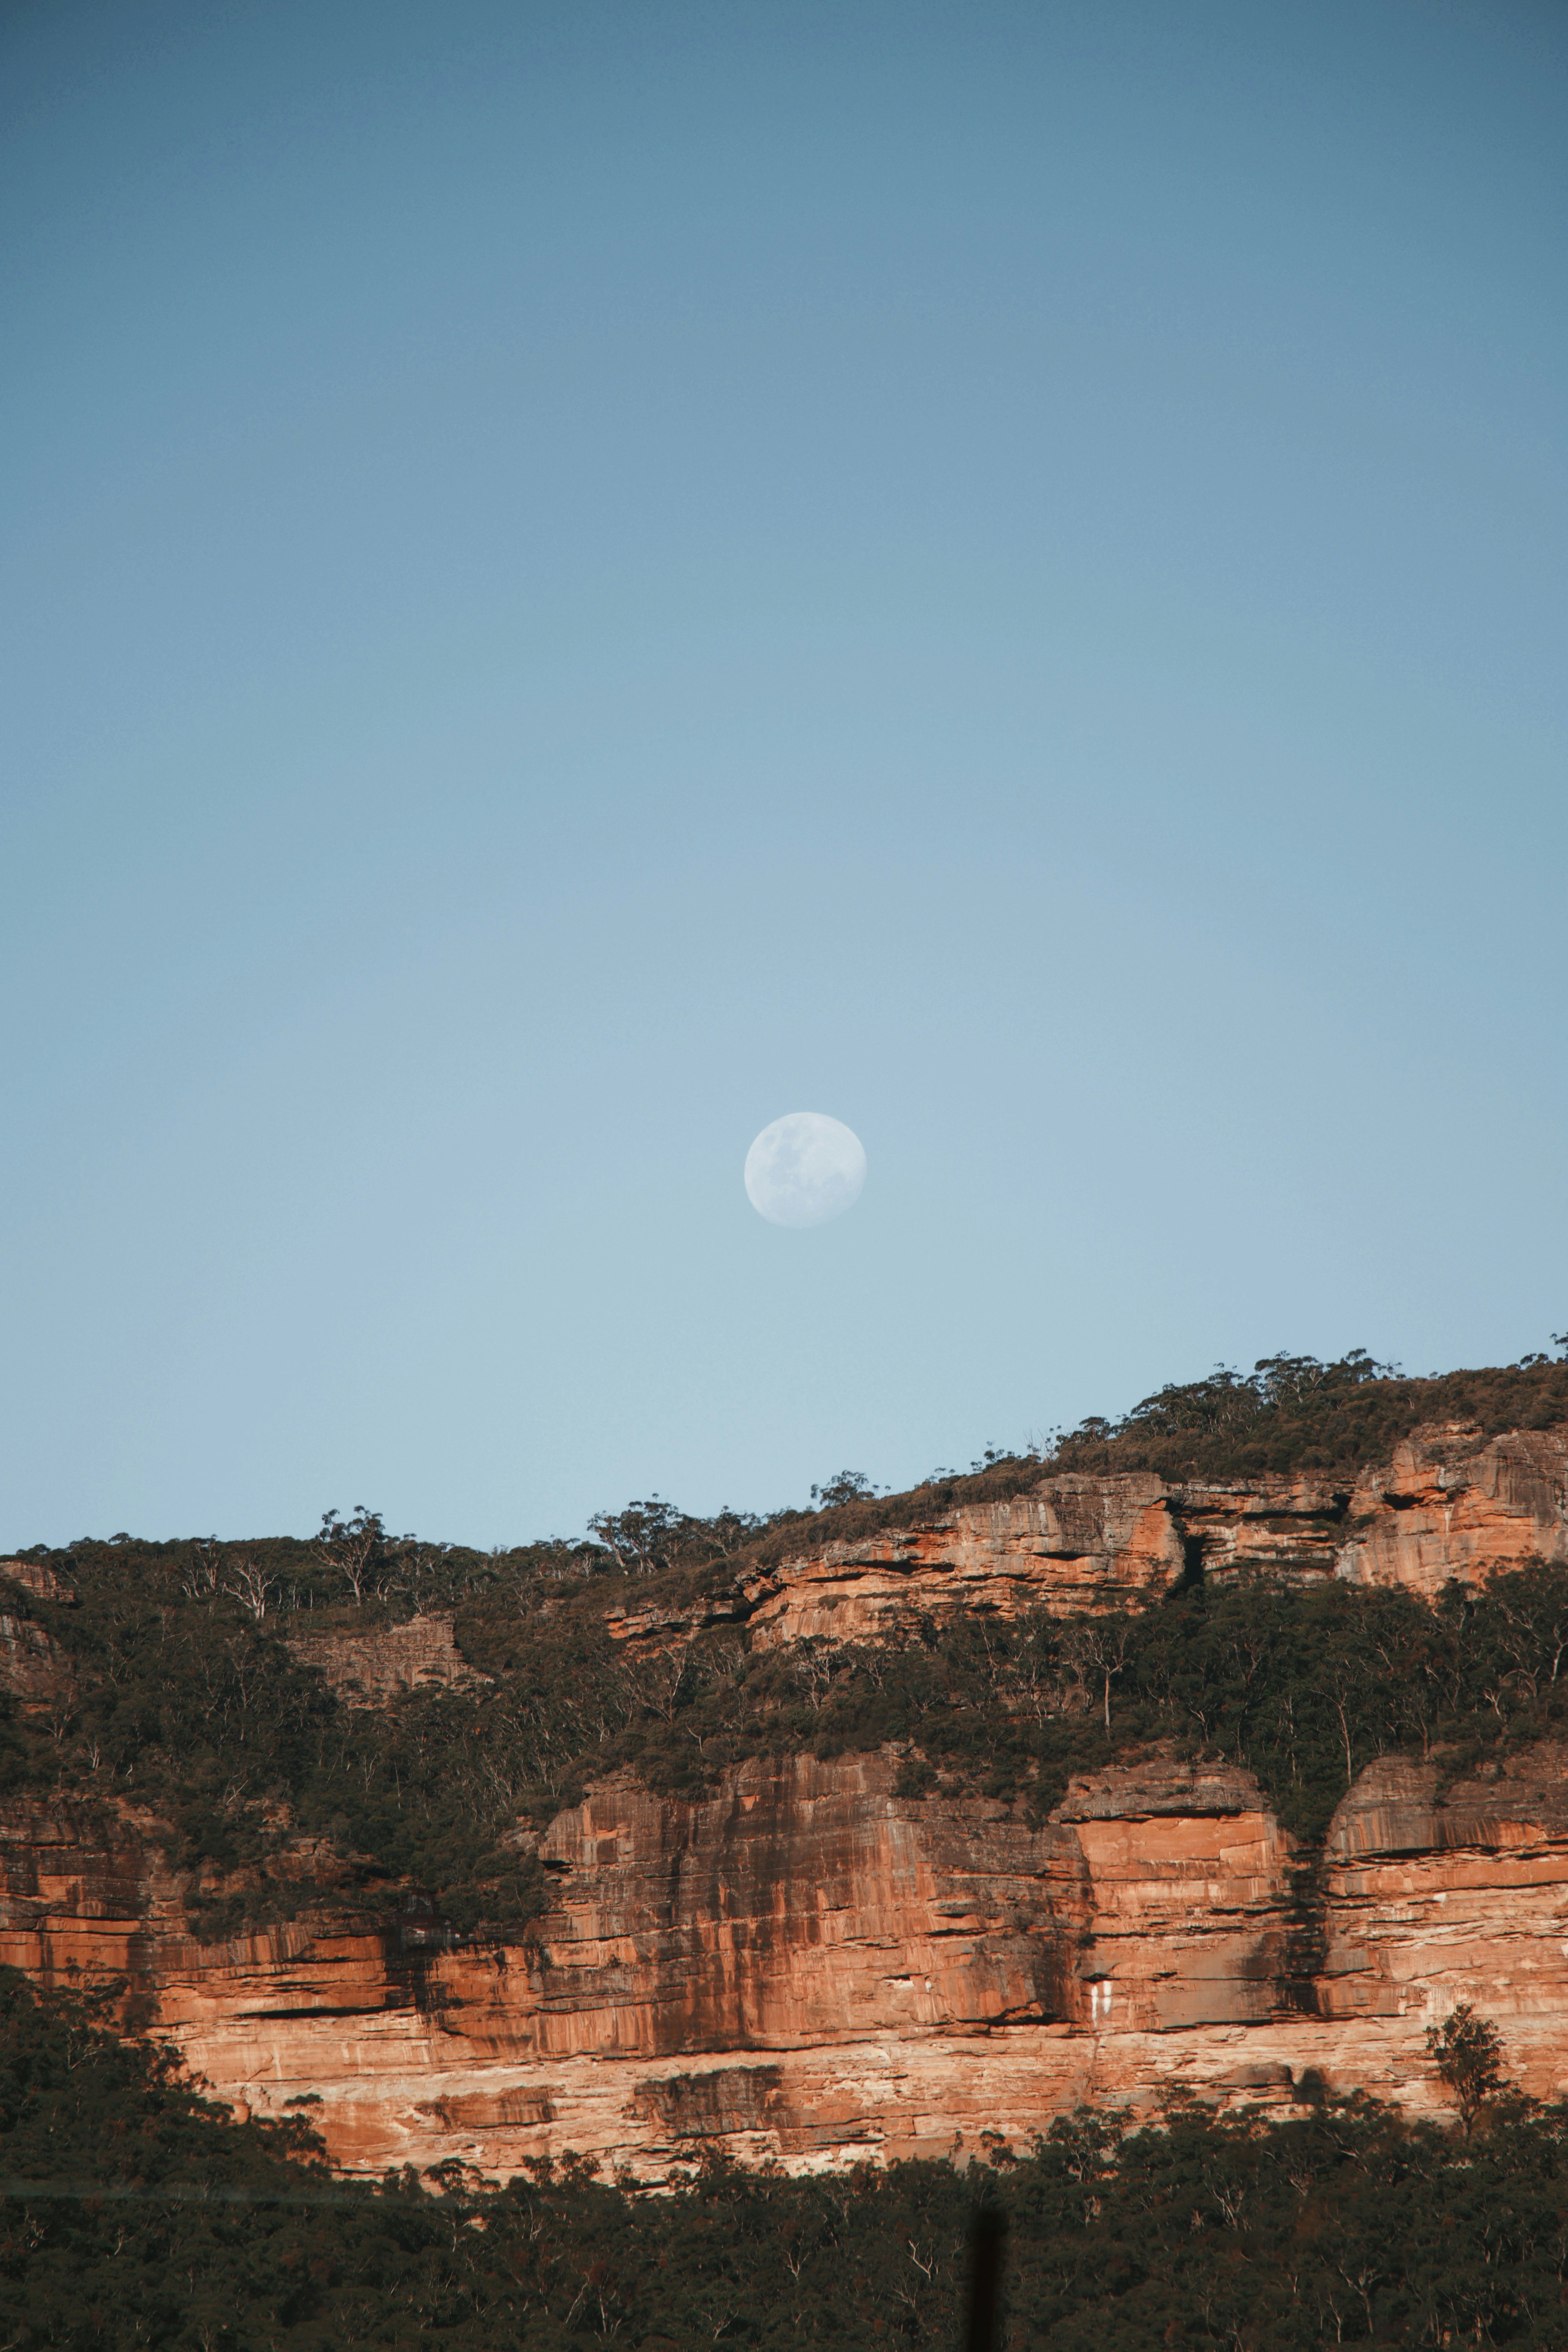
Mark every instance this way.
x=805 y=1169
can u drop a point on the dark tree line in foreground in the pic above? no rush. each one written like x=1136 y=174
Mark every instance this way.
x=132 y=2215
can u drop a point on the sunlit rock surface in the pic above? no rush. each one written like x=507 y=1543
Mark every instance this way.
x=1448 y=1504
x=807 y=1967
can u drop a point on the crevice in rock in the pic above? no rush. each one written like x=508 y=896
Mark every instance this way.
x=1306 y=1934
x=315 y=2010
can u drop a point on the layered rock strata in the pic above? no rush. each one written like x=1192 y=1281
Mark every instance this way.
x=807 y=1967
x=369 y=1668
x=1449 y=1503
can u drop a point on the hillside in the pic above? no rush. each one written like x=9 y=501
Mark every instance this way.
x=1073 y=1775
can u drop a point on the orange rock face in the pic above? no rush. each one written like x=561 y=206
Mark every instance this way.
x=1074 y=1543
x=1450 y=1504
x=807 y=1967
x=1446 y=1506
x=42 y=1582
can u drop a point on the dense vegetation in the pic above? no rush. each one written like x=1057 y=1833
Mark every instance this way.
x=132 y=2215
x=190 y=1689
x=1289 y=1413
x=184 y=1684
x=278 y=1795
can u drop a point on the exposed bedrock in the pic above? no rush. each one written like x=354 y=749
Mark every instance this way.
x=369 y=1668
x=1449 y=1503
x=806 y=1966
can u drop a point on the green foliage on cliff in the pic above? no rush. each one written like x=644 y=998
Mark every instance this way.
x=1304 y=1688
x=1289 y=1413
x=192 y=1690
x=131 y=2215
x=1293 y=1414
x=280 y=1796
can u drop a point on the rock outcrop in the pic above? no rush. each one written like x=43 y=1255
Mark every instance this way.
x=1449 y=1503
x=1447 y=1507
x=34 y=1576
x=369 y=1668
x=807 y=1967
x=33 y=1669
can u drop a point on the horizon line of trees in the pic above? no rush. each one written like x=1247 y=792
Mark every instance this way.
x=1287 y=1408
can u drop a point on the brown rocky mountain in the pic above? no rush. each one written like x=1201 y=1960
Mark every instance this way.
x=1448 y=1503
x=800 y=1962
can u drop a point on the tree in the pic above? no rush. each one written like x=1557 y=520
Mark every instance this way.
x=1100 y=1646
x=360 y=1548
x=847 y=1487
x=1528 y=1615
x=1467 y=2052
x=641 y=1538
x=250 y=1584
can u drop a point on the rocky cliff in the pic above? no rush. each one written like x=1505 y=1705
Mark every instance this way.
x=366 y=1667
x=1448 y=1503
x=804 y=1963
x=806 y=1967
x=34 y=1670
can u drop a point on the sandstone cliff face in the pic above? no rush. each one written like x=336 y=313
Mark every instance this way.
x=32 y=1576
x=1449 y=1504
x=1446 y=1506
x=805 y=1965
x=33 y=1669
x=1466 y=1889
x=808 y=1967
x=368 y=1668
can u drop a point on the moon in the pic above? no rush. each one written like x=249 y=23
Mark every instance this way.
x=805 y=1169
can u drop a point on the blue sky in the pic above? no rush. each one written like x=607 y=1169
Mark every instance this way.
x=579 y=577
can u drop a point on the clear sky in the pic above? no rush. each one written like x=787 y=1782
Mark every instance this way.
x=578 y=577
